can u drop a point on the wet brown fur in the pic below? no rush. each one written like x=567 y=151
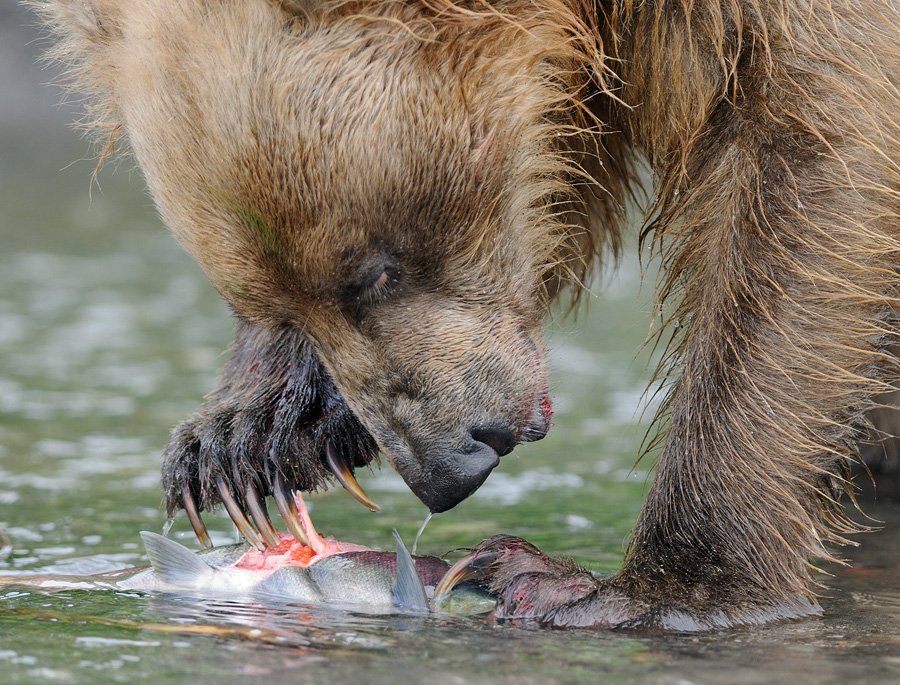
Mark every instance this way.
x=772 y=129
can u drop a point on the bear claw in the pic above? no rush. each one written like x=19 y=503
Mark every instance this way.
x=190 y=508
x=342 y=471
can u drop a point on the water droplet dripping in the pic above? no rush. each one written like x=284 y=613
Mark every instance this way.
x=421 y=530
x=167 y=526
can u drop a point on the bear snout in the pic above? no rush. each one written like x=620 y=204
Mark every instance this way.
x=500 y=438
x=441 y=479
x=450 y=477
x=540 y=420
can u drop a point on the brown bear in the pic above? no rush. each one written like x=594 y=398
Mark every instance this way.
x=390 y=195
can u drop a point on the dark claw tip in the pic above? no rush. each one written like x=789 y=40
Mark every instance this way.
x=193 y=514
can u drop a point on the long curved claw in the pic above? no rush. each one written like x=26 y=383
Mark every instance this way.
x=260 y=517
x=234 y=511
x=341 y=470
x=193 y=514
x=287 y=507
x=473 y=566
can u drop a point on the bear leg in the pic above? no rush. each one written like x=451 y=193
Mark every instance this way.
x=773 y=135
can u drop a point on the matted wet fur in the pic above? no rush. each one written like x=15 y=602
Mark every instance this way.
x=401 y=189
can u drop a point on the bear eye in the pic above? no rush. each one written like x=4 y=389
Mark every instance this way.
x=376 y=285
x=377 y=288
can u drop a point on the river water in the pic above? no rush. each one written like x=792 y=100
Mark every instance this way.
x=109 y=336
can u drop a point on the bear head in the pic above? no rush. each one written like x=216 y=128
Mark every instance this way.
x=403 y=182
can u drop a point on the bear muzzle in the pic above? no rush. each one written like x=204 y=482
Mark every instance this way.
x=444 y=479
x=447 y=478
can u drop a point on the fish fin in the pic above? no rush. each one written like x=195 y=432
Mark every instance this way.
x=408 y=591
x=173 y=563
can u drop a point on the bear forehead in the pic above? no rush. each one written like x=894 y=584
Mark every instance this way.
x=281 y=160
x=344 y=137
x=337 y=175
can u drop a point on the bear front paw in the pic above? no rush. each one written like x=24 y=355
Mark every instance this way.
x=275 y=425
x=529 y=585
x=238 y=457
x=532 y=587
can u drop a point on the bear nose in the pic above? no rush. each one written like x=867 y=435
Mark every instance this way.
x=499 y=438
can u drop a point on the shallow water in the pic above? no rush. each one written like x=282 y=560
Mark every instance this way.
x=109 y=335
